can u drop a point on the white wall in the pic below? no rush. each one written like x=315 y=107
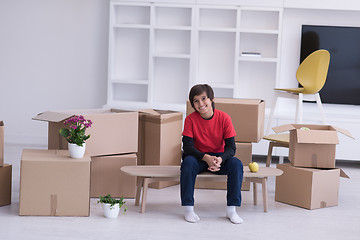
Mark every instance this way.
x=53 y=56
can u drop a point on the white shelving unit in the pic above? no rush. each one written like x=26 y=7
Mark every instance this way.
x=158 y=51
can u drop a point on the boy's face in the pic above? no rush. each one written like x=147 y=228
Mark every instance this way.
x=203 y=104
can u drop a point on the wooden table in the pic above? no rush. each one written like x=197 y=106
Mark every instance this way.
x=147 y=174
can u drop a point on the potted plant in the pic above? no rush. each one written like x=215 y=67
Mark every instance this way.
x=75 y=135
x=112 y=206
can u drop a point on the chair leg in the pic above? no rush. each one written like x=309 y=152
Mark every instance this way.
x=268 y=159
x=272 y=111
x=299 y=109
x=321 y=109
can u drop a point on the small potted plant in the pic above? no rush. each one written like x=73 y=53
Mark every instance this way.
x=75 y=135
x=112 y=206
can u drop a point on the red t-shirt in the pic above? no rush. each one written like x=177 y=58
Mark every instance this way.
x=209 y=135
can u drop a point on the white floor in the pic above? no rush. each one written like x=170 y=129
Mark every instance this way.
x=163 y=218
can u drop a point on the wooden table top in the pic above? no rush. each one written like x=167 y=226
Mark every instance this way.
x=174 y=171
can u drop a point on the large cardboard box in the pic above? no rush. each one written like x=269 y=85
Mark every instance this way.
x=244 y=153
x=160 y=139
x=312 y=145
x=309 y=188
x=5 y=184
x=1 y=143
x=53 y=184
x=107 y=178
x=113 y=131
x=247 y=116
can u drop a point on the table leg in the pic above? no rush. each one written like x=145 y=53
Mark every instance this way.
x=264 y=190
x=255 y=193
x=144 y=194
x=138 y=190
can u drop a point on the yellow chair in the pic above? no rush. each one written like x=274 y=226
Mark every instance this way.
x=311 y=74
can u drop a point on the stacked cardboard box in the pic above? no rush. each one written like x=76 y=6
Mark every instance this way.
x=160 y=140
x=5 y=173
x=310 y=180
x=53 y=184
x=247 y=116
x=113 y=144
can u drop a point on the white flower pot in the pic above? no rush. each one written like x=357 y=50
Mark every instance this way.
x=76 y=151
x=111 y=212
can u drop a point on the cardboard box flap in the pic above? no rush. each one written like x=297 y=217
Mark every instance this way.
x=161 y=116
x=238 y=100
x=52 y=116
x=149 y=111
x=317 y=137
x=343 y=131
x=283 y=128
x=343 y=174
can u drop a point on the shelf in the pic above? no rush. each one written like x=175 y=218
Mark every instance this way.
x=173 y=16
x=131 y=14
x=262 y=31
x=130 y=92
x=172 y=41
x=140 y=26
x=257 y=59
x=159 y=50
x=212 y=29
x=171 y=55
x=129 y=81
x=217 y=18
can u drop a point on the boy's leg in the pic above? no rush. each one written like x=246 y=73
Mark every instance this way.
x=190 y=167
x=233 y=168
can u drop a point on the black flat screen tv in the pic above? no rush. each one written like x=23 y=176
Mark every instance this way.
x=342 y=85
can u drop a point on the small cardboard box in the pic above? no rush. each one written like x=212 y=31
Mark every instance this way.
x=53 y=184
x=5 y=184
x=312 y=145
x=244 y=153
x=107 y=178
x=160 y=139
x=113 y=131
x=247 y=116
x=2 y=143
x=308 y=188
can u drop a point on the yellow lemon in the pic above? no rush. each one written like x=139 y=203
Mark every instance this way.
x=254 y=167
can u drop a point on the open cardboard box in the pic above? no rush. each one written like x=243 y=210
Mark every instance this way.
x=113 y=131
x=247 y=116
x=309 y=188
x=312 y=145
x=160 y=139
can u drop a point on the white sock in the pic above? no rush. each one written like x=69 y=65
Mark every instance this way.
x=232 y=215
x=190 y=215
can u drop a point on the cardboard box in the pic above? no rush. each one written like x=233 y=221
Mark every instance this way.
x=2 y=143
x=113 y=131
x=107 y=178
x=313 y=147
x=247 y=116
x=308 y=188
x=160 y=140
x=53 y=184
x=244 y=153
x=5 y=184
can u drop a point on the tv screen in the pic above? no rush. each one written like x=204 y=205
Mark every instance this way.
x=342 y=85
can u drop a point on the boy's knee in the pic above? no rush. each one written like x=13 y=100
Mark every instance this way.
x=235 y=163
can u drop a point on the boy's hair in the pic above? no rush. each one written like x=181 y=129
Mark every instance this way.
x=199 y=89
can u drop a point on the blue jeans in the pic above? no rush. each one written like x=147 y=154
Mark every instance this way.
x=190 y=167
